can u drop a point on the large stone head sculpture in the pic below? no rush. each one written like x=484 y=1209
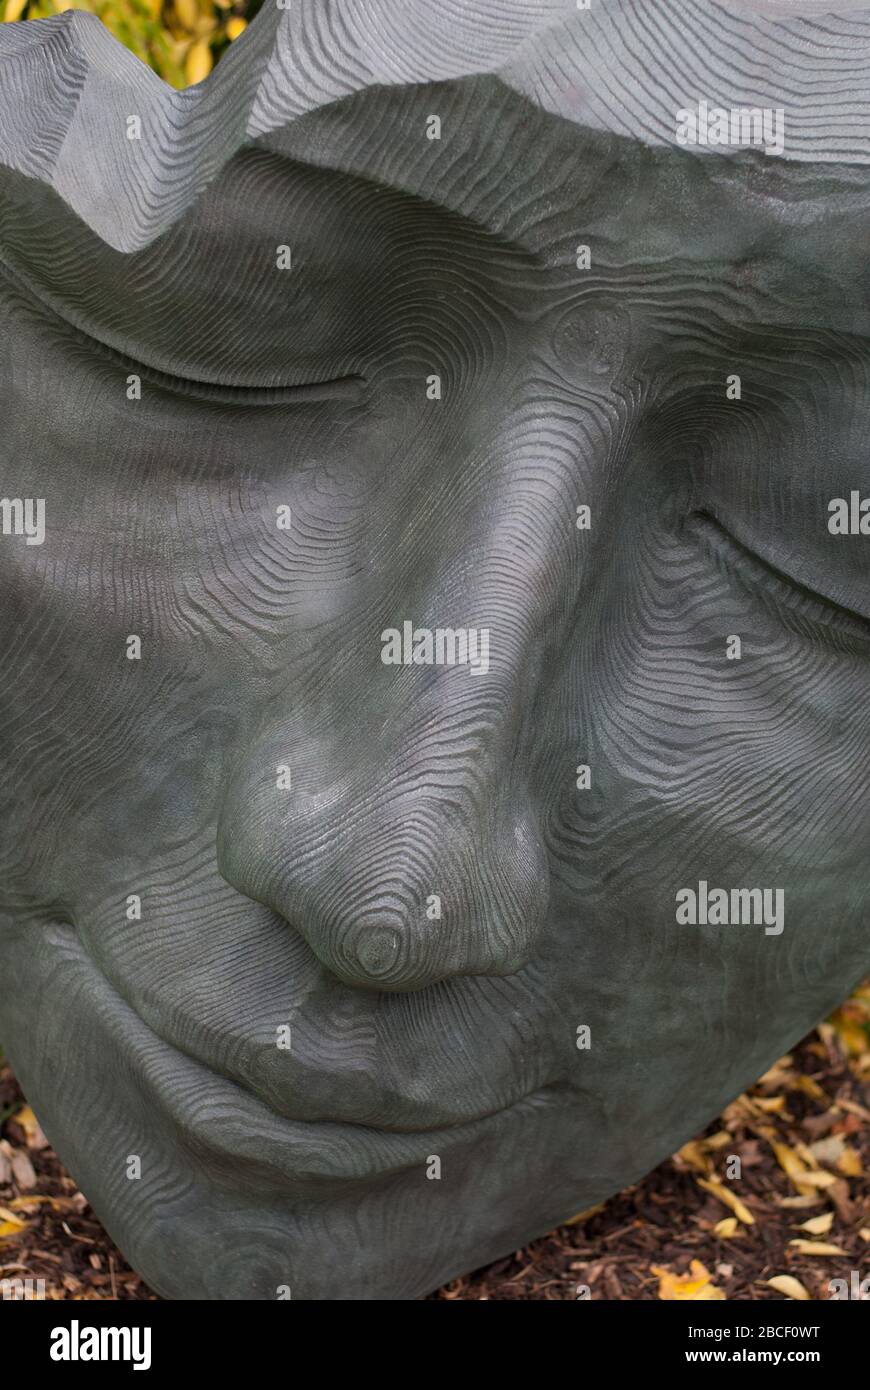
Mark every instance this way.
x=435 y=623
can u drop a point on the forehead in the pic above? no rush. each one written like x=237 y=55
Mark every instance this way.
x=304 y=251
x=387 y=233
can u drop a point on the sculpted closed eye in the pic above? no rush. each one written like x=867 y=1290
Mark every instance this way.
x=343 y=388
x=134 y=372
x=770 y=582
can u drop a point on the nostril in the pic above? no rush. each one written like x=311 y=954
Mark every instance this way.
x=377 y=950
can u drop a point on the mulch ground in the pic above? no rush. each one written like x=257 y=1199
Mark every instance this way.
x=796 y=1218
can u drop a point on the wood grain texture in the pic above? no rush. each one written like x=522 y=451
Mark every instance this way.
x=623 y=66
x=155 y=259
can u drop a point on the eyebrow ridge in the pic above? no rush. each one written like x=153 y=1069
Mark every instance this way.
x=349 y=387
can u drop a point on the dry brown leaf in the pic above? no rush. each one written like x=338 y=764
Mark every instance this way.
x=828 y=1151
x=854 y=1109
x=23 y=1172
x=838 y=1195
x=817 y=1126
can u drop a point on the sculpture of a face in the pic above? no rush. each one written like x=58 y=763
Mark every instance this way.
x=434 y=717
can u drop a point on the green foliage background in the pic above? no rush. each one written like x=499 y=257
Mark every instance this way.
x=180 y=39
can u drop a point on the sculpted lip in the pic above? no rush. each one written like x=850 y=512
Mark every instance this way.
x=225 y=1117
x=317 y=1149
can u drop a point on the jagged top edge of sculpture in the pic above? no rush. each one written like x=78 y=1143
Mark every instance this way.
x=68 y=87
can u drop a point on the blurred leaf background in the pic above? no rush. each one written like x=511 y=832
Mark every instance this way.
x=180 y=39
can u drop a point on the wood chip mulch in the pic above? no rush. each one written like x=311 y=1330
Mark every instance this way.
x=691 y=1230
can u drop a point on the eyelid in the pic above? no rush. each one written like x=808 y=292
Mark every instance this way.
x=770 y=581
x=342 y=388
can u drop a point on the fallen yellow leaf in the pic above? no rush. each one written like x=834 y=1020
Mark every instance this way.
x=725 y=1228
x=199 y=63
x=779 y=1072
x=849 y=1163
x=719 y=1190
x=28 y=1121
x=810 y=1088
x=808 y=1155
x=818 y=1225
x=188 y=13
x=821 y=1179
x=694 y=1155
x=792 y=1288
x=791 y=1164
x=852 y=1036
x=583 y=1215
x=772 y=1105
x=696 y=1286
x=719 y=1140
x=35 y=1199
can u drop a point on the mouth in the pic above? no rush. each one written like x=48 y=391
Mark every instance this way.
x=225 y=1124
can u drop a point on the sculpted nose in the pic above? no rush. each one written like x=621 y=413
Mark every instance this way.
x=400 y=869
